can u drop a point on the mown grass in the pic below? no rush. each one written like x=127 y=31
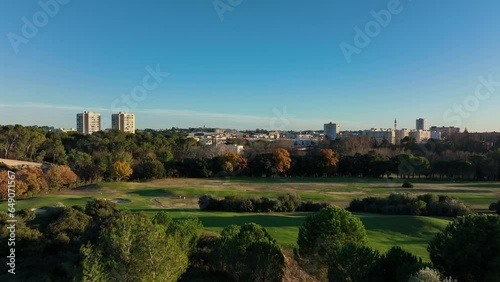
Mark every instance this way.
x=410 y=232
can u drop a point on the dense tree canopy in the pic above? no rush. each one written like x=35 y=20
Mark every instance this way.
x=324 y=232
x=156 y=154
x=249 y=253
x=468 y=249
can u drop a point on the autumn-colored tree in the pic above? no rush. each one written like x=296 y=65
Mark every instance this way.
x=60 y=175
x=227 y=166
x=282 y=160
x=34 y=179
x=238 y=162
x=4 y=179
x=328 y=160
x=121 y=170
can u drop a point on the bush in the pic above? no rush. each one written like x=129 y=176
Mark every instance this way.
x=495 y=207
x=407 y=185
x=311 y=206
x=287 y=203
x=209 y=203
x=27 y=214
x=426 y=275
x=427 y=204
x=468 y=249
x=100 y=209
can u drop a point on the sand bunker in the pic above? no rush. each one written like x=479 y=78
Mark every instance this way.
x=120 y=201
x=39 y=211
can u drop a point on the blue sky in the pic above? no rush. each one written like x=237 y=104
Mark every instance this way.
x=273 y=64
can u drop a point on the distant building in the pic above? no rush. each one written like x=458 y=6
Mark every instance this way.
x=445 y=130
x=123 y=121
x=435 y=135
x=274 y=135
x=420 y=136
x=88 y=122
x=66 y=130
x=331 y=130
x=400 y=134
x=235 y=148
x=381 y=134
x=421 y=124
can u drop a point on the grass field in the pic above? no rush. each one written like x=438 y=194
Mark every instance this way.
x=180 y=197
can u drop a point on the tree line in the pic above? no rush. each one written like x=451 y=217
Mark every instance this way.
x=115 y=155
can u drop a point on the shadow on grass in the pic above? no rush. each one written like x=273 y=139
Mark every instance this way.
x=431 y=190
x=90 y=187
x=264 y=220
x=298 y=179
x=481 y=185
x=152 y=193
x=407 y=225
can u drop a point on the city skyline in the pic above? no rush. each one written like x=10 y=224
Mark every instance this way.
x=290 y=72
x=125 y=121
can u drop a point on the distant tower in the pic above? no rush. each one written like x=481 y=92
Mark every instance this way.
x=395 y=124
x=421 y=124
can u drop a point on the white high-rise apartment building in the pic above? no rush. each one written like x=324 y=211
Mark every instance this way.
x=331 y=130
x=88 y=122
x=123 y=121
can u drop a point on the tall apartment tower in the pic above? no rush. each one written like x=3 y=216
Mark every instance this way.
x=331 y=130
x=123 y=121
x=88 y=122
x=421 y=124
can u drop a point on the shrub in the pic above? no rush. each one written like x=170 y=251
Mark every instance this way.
x=27 y=214
x=495 y=207
x=407 y=185
x=426 y=275
x=209 y=203
x=311 y=206
x=100 y=209
x=427 y=204
x=287 y=203
x=290 y=202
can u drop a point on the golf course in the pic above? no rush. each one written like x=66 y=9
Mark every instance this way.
x=179 y=196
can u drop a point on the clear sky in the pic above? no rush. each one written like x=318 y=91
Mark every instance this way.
x=276 y=64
